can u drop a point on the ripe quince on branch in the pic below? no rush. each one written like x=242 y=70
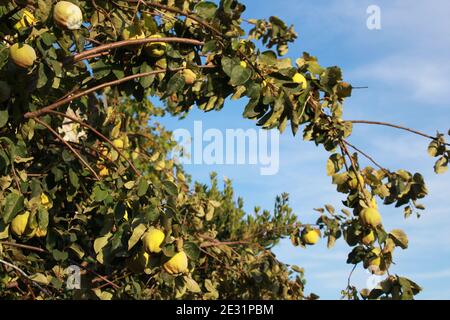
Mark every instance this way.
x=370 y=217
x=152 y=240
x=311 y=236
x=177 y=264
x=22 y=55
x=67 y=15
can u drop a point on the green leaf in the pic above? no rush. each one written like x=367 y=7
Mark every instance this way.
x=206 y=9
x=239 y=75
x=60 y=255
x=3 y=118
x=330 y=78
x=42 y=217
x=42 y=80
x=175 y=84
x=101 y=242
x=129 y=185
x=227 y=65
x=13 y=203
x=136 y=236
x=400 y=238
x=142 y=187
x=77 y=250
x=99 y=194
x=170 y=187
x=192 y=250
x=146 y=81
x=441 y=165
x=40 y=278
x=73 y=178
x=192 y=285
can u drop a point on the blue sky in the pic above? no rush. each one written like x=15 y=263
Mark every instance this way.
x=406 y=67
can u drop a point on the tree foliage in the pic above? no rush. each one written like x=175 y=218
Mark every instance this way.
x=86 y=167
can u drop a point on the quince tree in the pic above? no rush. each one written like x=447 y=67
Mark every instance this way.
x=85 y=173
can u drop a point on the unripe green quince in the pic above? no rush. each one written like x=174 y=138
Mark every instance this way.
x=67 y=15
x=156 y=49
x=152 y=240
x=370 y=217
x=177 y=264
x=22 y=55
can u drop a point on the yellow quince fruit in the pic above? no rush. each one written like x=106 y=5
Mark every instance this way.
x=301 y=80
x=67 y=15
x=370 y=217
x=152 y=240
x=311 y=236
x=177 y=264
x=23 y=55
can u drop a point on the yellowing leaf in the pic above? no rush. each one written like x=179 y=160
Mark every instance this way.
x=137 y=234
x=400 y=238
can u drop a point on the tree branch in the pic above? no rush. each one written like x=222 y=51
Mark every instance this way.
x=57 y=104
x=23 y=246
x=386 y=124
x=109 y=46
x=367 y=156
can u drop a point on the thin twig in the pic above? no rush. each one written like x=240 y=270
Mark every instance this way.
x=361 y=187
x=350 y=276
x=180 y=12
x=80 y=94
x=24 y=274
x=23 y=246
x=386 y=124
x=222 y=243
x=100 y=135
x=367 y=156
x=68 y=145
x=16 y=178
